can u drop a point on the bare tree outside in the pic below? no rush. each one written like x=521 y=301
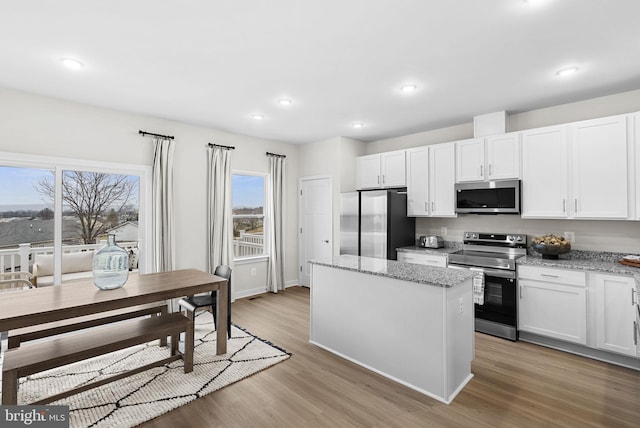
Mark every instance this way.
x=91 y=196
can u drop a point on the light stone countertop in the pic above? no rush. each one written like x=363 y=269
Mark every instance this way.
x=593 y=261
x=435 y=276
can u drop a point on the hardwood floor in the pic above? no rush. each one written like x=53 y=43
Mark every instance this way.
x=515 y=385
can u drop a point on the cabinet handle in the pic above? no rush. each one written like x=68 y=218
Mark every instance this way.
x=378 y=179
x=633 y=297
x=382 y=178
x=433 y=206
x=564 y=205
x=521 y=291
x=426 y=206
x=635 y=333
x=549 y=275
x=481 y=171
x=575 y=202
x=489 y=169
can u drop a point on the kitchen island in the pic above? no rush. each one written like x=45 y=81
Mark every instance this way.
x=411 y=323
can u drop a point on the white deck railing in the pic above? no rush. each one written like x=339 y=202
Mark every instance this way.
x=248 y=244
x=14 y=259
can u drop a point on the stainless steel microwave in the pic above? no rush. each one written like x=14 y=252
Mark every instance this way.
x=488 y=197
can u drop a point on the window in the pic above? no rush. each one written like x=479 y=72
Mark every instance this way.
x=51 y=207
x=248 y=192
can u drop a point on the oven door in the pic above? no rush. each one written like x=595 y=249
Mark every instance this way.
x=499 y=298
x=499 y=295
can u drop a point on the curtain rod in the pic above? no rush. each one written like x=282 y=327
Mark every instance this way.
x=276 y=155
x=222 y=147
x=143 y=133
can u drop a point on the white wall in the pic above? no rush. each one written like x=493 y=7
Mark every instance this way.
x=334 y=157
x=33 y=124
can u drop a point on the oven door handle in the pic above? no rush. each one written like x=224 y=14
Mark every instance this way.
x=488 y=272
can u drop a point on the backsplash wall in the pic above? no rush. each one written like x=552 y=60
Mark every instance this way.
x=592 y=235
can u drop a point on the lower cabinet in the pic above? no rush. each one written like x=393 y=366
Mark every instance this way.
x=592 y=309
x=553 y=309
x=423 y=259
x=615 y=313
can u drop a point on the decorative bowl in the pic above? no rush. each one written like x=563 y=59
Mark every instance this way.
x=551 y=246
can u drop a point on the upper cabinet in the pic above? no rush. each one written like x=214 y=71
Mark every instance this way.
x=599 y=170
x=490 y=158
x=442 y=178
x=381 y=170
x=545 y=172
x=579 y=170
x=430 y=181
x=418 y=182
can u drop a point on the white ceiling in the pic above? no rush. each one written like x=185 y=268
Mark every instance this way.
x=216 y=63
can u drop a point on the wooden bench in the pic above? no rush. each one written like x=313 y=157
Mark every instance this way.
x=35 y=357
x=21 y=335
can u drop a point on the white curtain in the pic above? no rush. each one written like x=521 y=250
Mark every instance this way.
x=275 y=213
x=162 y=202
x=219 y=221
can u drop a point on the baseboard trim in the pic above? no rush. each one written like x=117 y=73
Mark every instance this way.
x=584 y=351
x=249 y=293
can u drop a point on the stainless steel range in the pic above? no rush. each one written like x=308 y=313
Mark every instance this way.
x=493 y=256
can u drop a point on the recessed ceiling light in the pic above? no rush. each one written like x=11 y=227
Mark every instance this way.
x=358 y=125
x=257 y=116
x=71 y=64
x=406 y=89
x=285 y=101
x=565 y=72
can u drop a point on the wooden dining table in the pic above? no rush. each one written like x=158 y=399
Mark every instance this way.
x=81 y=297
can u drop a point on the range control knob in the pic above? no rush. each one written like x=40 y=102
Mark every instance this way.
x=510 y=238
x=467 y=235
x=519 y=238
x=475 y=236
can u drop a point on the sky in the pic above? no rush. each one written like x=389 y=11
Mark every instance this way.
x=17 y=188
x=248 y=191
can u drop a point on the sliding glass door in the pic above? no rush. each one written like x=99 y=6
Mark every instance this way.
x=52 y=220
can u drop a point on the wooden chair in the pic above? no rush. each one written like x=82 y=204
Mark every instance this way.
x=192 y=303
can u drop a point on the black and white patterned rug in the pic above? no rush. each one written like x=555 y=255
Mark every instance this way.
x=139 y=398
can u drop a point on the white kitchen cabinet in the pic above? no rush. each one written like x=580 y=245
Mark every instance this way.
x=431 y=180
x=636 y=148
x=442 y=180
x=552 y=303
x=491 y=158
x=579 y=170
x=470 y=160
x=381 y=170
x=615 y=313
x=599 y=171
x=423 y=258
x=545 y=172
x=418 y=182
x=503 y=156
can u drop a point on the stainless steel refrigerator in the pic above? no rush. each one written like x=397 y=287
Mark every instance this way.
x=373 y=223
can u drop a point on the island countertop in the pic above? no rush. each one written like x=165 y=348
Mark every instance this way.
x=435 y=276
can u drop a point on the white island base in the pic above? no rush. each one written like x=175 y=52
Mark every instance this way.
x=419 y=335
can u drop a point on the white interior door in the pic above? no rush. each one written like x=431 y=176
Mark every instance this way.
x=316 y=210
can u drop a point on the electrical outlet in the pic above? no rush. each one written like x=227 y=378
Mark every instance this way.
x=253 y=271
x=460 y=301
x=443 y=230
x=570 y=236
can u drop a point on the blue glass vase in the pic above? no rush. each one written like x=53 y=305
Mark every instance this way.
x=110 y=265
